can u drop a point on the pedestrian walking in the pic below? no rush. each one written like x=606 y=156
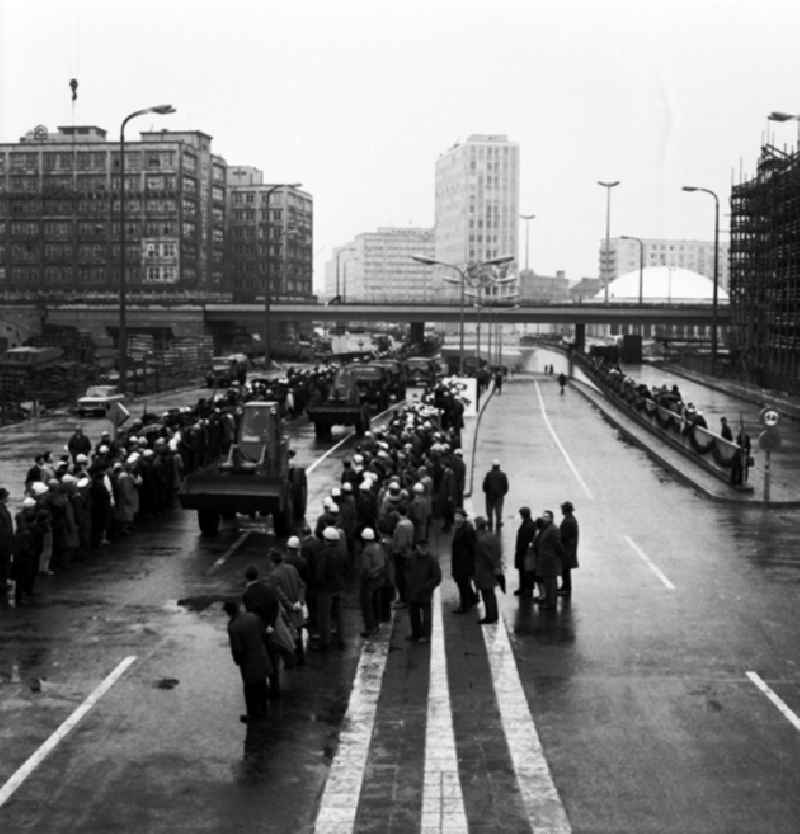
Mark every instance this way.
x=549 y=553
x=495 y=487
x=462 y=565
x=725 y=429
x=562 y=381
x=526 y=532
x=423 y=574
x=246 y=640
x=488 y=566
x=569 y=541
x=498 y=382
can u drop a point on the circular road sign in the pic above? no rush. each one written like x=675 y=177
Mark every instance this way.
x=770 y=417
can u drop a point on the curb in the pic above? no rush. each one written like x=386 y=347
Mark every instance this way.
x=489 y=395
x=679 y=474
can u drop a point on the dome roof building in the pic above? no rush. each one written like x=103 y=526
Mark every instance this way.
x=663 y=285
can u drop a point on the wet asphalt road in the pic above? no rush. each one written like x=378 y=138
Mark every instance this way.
x=639 y=691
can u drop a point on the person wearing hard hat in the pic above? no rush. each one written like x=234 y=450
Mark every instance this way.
x=329 y=591
x=374 y=576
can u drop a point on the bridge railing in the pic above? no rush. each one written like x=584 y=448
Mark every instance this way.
x=670 y=421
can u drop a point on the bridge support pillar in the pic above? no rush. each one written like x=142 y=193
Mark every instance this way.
x=418 y=332
x=580 y=338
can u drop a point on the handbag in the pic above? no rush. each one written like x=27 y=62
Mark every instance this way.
x=282 y=637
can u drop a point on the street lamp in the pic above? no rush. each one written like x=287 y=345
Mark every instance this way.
x=641 y=260
x=463 y=280
x=716 y=272
x=267 y=267
x=608 y=186
x=527 y=218
x=161 y=110
x=780 y=116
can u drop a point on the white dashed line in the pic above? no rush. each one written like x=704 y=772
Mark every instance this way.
x=650 y=564
x=558 y=443
x=339 y=803
x=542 y=803
x=45 y=749
x=442 y=800
x=783 y=708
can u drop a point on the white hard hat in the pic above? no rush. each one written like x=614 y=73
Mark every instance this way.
x=83 y=482
x=330 y=534
x=347 y=486
x=293 y=541
x=336 y=492
x=28 y=501
x=103 y=449
x=39 y=487
x=368 y=534
x=68 y=479
x=81 y=458
x=418 y=487
x=358 y=458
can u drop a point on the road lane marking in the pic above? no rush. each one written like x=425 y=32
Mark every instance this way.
x=44 y=750
x=567 y=458
x=312 y=466
x=650 y=564
x=442 y=799
x=546 y=812
x=339 y=803
x=782 y=706
x=229 y=552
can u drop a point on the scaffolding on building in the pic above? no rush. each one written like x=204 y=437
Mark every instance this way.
x=765 y=271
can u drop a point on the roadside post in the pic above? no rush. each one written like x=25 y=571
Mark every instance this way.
x=768 y=441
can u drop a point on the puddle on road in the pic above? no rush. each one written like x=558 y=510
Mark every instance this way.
x=166 y=683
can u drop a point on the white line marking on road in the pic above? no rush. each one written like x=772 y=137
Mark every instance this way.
x=44 y=750
x=567 y=458
x=218 y=563
x=339 y=803
x=442 y=799
x=784 y=709
x=312 y=466
x=650 y=564
x=546 y=812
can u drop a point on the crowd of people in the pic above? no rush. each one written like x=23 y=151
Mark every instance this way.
x=379 y=526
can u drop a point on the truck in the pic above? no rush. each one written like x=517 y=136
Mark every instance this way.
x=343 y=407
x=255 y=476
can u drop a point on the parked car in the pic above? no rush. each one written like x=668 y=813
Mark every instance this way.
x=98 y=399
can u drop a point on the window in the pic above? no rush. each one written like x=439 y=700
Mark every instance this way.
x=218 y=173
x=190 y=185
x=189 y=162
x=189 y=208
x=188 y=229
x=154 y=183
x=24 y=162
x=218 y=194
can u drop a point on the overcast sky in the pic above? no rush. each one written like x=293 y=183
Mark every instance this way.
x=357 y=98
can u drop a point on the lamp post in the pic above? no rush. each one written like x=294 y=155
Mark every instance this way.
x=267 y=268
x=161 y=110
x=608 y=186
x=716 y=272
x=463 y=280
x=780 y=116
x=527 y=218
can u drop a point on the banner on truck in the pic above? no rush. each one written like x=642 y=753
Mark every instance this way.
x=466 y=389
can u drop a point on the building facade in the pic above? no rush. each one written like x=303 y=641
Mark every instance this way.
x=268 y=235
x=696 y=255
x=765 y=272
x=379 y=266
x=60 y=209
x=533 y=287
x=477 y=201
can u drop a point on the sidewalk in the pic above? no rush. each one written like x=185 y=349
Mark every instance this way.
x=788 y=407
x=784 y=491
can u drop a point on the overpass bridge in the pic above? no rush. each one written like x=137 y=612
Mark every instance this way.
x=192 y=318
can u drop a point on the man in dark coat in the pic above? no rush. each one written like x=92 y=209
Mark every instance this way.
x=525 y=536
x=488 y=566
x=549 y=554
x=569 y=541
x=259 y=598
x=463 y=561
x=423 y=574
x=495 y=487
x=246 y=638
x=6 y=540
x=78 y=444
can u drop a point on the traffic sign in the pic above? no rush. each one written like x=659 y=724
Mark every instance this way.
x=769 y=440
x=770 y=416
x=118 y=414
